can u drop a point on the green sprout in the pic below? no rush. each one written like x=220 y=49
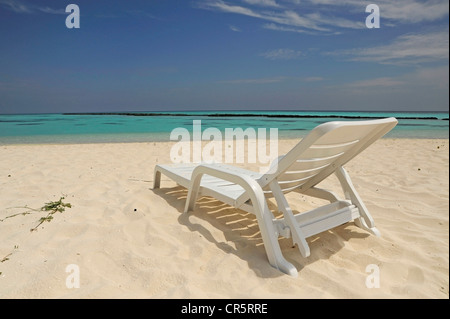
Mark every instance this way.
x=50 y=207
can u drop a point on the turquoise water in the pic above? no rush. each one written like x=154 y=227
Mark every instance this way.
x=156 y=126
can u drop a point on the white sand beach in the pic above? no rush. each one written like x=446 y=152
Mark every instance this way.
x=129 y=241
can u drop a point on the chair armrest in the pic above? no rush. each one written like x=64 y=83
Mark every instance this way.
x=246 y=182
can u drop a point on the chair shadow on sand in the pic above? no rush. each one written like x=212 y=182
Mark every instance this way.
x=242 y=233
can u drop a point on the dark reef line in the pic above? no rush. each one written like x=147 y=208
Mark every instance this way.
x=255 y=115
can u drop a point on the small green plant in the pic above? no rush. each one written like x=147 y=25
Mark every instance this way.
x=50 y=207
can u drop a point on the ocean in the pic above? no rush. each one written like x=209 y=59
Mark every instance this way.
x=125 y=127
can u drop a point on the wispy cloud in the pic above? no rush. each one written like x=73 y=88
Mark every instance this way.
x=327 y=16
x=276 y=27
x=24 y=7
x=407 y=11
x=16 y=6
x=377 y=82
x=406 y=49
x=313 y=79
x=423 y=87
x=276 y=79
x=281 y=17
x=432 y=77
x=281 y=54
x=234 y=28
x=264 y=3
x=399 y=11
x=51 y=10
x=256 y=81
x=219 y=5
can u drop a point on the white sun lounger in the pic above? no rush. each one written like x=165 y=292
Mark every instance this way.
x=321 y=153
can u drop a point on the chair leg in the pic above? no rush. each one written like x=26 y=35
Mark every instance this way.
x=296 y=233
x=156 y=178
x=191 y=199
x=362 y=224
x=270 y=239
x=365 y=221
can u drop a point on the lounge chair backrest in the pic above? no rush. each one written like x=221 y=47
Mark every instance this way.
x=323 y=150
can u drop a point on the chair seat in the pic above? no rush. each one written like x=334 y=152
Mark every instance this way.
x=225 y=191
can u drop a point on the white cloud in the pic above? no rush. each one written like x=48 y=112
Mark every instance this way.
x=408 y=11
x=23 y=7
x=235 y=29
x=51 y=11
x=292 y=18
x=313 y=79
x=336 y=21
x=401 y=11
x=406 y=49
x=276 y=79
x=256 y=81
x=329 y=15
x=16 y=6
x=264 y=3
x=276 y=27
x=281 y=17
x=222 y=6
x=281 y=54
x=377 y=82
x=434 y=77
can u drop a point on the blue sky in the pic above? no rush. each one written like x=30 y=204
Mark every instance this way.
x=161 y=55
